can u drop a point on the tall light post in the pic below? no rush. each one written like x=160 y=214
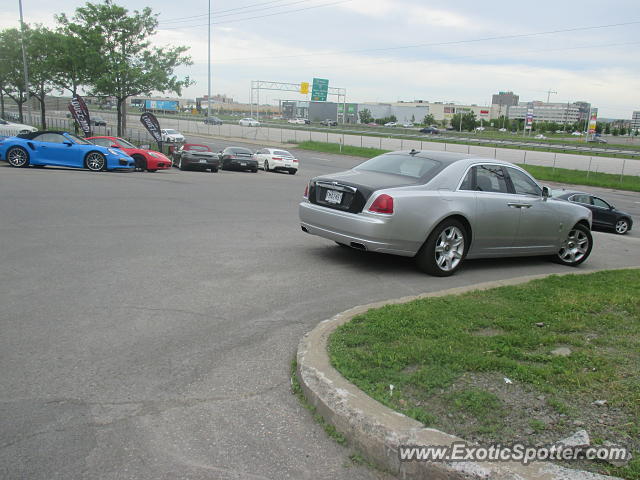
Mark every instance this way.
x=209 y=66
x=24 y=63
x=549 y=92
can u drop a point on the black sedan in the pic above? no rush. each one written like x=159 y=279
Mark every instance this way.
x=605 y=215
x=213 y=121
x=238 y=158
x=98 y=121
x=432 y=130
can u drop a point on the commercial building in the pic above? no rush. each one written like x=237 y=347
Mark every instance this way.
x=635 y=120
x=506 y=99
x=563 y=113
x=418 y=109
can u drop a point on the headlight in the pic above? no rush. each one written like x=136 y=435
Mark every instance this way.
x=113 y=152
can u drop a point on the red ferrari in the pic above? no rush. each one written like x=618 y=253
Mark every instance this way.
x=148 y=160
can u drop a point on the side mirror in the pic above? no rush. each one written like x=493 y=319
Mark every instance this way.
x=113 y=145
x=612 y=207
x=546 y=193
x=67 y=143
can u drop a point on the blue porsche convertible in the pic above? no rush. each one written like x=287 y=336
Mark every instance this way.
x=61 y=149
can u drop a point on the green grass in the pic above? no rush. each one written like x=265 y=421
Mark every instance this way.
x=429 y=348
x=560 y=175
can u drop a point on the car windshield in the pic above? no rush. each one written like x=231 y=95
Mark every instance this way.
x=79 y=140
x=125 y=144
x=400 y=164
x=240 y=150
x=170 y=131
x=198 y=148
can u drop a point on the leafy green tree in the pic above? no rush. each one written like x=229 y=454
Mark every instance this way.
x=429 y=119
x=41 y=56
x=11 y=68
x=128 y=65
x=607 y=128
x=365 y=116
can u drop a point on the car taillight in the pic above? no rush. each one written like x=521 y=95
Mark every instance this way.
x=295 y=160
x=382 y=204
x=306 y=191
x=276 y=158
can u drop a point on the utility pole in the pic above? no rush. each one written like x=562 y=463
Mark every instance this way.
x=209 y=64
x=24 y=63
x=549 y=92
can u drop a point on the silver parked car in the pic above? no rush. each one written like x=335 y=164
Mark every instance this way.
x=442 y=208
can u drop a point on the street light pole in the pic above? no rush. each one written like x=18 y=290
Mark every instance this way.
x=24 y=63
x=209 y=65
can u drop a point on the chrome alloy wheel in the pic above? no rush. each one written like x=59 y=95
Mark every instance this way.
x=17 y=157
x=622 y=226
x=95 y=161
x=575 y=247
x=449 y=248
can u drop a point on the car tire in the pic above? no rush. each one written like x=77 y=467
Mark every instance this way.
x=254 y=170
x=214 y=169
x=141 y=163
x=181 y=166
x=18 y=157
x=622 y=226
x=266 y=166
x=151 y=170
x=292 y=172
x=576 y=248
x=95 y=161
x=445 y=249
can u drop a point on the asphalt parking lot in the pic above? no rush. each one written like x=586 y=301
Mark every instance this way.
x=149 y=320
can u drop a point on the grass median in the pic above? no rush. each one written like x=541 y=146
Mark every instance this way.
x=560 y=175
x=513 y=364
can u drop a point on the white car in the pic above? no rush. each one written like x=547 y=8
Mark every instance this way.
x=248 y=122
x=541 y=137
x=407 y=125
x=502 y=129
x=274 y=159
x=479 y=129
x=577 y=134
x=299 y=121
x=391 y=124
x=10 y=128
x=170 y=135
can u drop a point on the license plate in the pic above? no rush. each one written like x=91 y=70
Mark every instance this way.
x=203 y=160
x=243 y=164
x=333 y=196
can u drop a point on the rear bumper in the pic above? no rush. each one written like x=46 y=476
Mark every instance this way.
x=280 y=165
x=373 y=232
x=195 y=163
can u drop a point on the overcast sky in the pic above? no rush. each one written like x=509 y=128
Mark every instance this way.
x=390 y=50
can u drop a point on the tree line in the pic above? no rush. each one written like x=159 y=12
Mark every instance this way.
x=102 y=50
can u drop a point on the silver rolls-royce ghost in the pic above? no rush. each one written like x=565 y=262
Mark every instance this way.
x=442 y=208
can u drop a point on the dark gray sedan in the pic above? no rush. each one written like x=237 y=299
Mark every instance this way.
x=195 y=156
x=442 y=208
x=605 y=215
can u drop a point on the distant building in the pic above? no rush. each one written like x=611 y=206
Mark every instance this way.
x=635 y=120
x=563 y=113
x=418 y=109
x=506 y=99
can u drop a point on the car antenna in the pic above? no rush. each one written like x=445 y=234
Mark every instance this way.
x=414 y=151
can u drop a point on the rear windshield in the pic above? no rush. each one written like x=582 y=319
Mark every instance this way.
x=198 y=148
x=170 y=131
x=401 y=164
x=240 y=150
x=125 y=144
x=282 y=153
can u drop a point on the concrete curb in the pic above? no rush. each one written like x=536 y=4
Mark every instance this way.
x=376 y=431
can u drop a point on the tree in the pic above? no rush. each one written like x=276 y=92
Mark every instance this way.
x=365 y=116
x=11 y=68
x=128 y=65
x=41 y=56
x=607 y=128
x=429 y=119
x=468 y=121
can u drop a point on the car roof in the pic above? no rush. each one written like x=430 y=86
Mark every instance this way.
x=31 y=135
x=195 y=145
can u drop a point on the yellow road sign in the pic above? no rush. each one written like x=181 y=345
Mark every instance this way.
x=304 y=88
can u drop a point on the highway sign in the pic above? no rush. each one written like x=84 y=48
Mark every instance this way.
x=320 y=89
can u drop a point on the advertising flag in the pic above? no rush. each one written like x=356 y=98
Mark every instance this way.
x=592 y=122
x=152 y=125
x=80 y=114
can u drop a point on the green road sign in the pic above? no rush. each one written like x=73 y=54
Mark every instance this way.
x=320 y=89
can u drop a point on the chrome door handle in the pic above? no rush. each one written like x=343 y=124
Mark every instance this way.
x=519 y=205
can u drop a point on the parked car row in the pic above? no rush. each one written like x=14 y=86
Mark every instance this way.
x=12 y=128
x=193 y=156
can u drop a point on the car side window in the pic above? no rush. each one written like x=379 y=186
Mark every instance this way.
x=598 y=202
x=581 y=199
x=523 y=184
x=467 y=183
x=490 y=178
x=103 y=142
x=51 y=138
